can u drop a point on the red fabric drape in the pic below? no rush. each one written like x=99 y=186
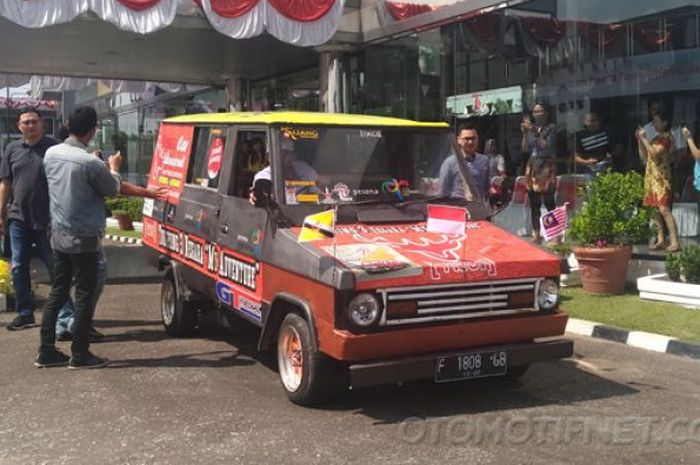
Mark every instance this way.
x=303 y=10
x=591 y=32
x=139 y=4
x=544 y=31
x=401 y=11
x=231 y=8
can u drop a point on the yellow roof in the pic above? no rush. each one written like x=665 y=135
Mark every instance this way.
x=300 y=117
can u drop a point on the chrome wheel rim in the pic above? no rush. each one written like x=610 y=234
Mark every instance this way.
x=290 y=358
x=167 y=304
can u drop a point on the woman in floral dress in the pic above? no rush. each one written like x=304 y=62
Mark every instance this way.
x=657 y=180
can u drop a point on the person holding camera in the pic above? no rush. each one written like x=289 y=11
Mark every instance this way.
x=541 y=170
x=77 y=183
x=658 y=181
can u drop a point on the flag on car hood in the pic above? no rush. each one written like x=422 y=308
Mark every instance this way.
x=318 y=226
x=447 y=219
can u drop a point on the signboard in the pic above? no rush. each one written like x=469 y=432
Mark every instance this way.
x=630 y=76
x=487 y=103
x=170 y=159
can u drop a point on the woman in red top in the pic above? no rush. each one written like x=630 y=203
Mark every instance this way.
x=657 y=180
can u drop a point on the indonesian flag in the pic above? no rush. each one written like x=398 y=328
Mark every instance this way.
x=553 y=223
x=447 y=219
x=318 y=226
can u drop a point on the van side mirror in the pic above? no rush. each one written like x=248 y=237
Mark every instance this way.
x=262 y=190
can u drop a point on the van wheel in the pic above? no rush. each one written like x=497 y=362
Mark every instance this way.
x=307 y=375
x=179 y=317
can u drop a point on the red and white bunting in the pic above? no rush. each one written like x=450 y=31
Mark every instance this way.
x=298 y=22
x=35 y=14
x=140 y=16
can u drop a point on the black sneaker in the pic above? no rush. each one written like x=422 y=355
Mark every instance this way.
x=22 y=322
x=51 y=358
x=89 y=361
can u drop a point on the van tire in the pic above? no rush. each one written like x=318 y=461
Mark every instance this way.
x=307 y=375
x=179 y=317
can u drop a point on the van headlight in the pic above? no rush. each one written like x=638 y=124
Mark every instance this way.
x=548 y=295
x=364 y=310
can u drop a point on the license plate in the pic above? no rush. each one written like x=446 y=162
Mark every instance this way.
x=471 y=365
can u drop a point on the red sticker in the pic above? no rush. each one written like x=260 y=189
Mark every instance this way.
x=216 y=152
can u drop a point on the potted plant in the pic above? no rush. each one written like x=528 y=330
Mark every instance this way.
x=603 y=231
x=122 y=217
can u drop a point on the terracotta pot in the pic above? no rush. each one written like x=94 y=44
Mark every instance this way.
x=603 y=269
x=125 y=223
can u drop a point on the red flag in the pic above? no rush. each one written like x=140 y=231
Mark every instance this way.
x=447 y=219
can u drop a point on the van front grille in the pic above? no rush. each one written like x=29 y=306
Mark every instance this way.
x=458 y=301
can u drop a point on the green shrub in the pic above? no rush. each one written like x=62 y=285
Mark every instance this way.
x=612 y=213
x=563 y=249
x=684 y=265
x=133 y=206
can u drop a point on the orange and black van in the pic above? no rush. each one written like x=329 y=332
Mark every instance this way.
x=336 y=260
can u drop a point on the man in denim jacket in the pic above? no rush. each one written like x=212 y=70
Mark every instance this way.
x=78 y=183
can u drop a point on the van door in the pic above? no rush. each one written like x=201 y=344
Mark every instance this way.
x=197 y=215
x=242 y=226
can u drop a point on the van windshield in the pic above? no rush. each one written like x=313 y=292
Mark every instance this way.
x=353 y=164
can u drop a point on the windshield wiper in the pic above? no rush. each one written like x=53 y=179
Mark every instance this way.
x=367 y=202
x=434 y=198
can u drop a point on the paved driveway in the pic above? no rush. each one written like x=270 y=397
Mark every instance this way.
x=212 y=399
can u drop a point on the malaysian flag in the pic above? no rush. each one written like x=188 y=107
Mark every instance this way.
x=553 y=224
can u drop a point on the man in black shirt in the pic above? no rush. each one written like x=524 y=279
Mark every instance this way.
x=27 y=218
x=595 y=147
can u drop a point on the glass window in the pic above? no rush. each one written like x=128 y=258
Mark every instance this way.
x=207 y=158
x=251 y=156
x=329 y=165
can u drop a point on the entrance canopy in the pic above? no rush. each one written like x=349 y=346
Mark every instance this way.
x=164 y=40
x=297 y=22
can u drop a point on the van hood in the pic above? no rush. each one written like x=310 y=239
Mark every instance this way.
x=405 y=255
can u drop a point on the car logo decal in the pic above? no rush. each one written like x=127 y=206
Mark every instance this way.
x=224 y=293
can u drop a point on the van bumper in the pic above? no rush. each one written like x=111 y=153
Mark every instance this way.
x=423 y=366
x=391 y=344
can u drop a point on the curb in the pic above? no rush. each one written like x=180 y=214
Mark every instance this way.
x=640 y=339
x=124 y=239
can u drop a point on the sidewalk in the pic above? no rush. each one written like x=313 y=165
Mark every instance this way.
x=640 y=339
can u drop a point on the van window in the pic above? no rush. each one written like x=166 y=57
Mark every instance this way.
x=339 y=164
x=251 y=157
x=207 y=158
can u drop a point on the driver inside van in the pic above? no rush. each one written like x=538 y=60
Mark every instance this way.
x=295 y=169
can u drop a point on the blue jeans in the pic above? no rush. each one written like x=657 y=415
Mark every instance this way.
x=66 y=316
x=21 y=240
